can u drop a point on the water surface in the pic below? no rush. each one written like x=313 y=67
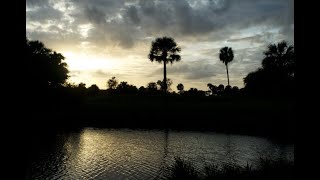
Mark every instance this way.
x=141 y=154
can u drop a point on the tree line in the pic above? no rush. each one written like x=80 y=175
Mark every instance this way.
x=47 y=72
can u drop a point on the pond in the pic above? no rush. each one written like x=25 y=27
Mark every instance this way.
x=141 y=154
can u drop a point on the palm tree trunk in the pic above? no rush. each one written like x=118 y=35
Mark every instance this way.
x=227 y=74
x=164 y=76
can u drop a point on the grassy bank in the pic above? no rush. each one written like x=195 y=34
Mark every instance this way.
x=240 y=115
x=267 y=169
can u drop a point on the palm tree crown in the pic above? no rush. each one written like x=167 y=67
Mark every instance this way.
x=164 y=50
x=226 y=56
x=279 y=58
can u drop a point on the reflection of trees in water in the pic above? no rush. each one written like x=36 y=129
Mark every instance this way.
x=63 y=156
x=166 y=137
x=286 y=153
x=276 y=151
x=230 y=150
x=72 y=144
x=164 y=164
x=52 y=155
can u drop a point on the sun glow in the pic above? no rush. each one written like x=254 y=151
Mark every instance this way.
x=81 y=62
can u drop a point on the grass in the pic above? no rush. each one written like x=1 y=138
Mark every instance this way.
x=181 y=170
x=267 y=169
x=240 y=115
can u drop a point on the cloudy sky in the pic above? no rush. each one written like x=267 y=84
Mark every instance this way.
x=105 y=38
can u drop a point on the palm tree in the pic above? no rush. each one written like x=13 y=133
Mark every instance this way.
x=279 y=58
x=226 y=56
x=164 y=50
x=277 y=73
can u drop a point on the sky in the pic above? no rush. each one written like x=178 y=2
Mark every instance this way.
x=105 y=38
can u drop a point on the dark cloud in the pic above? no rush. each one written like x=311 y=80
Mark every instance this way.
x=156 y=16
x=55 y=40
x=148 y=7
x=43 y=14
x=246 y=60
x=125 y=22
x=212 y=52
x=132 y=15
x=95 y=15
x=97 y=11
x=113 y=34
x=37 y=3
x=192 y=21
x=254 y=38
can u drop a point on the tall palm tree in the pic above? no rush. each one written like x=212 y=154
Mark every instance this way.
x=164 y=50
x=226 y=56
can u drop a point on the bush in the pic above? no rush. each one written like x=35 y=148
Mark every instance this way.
x=267 y=169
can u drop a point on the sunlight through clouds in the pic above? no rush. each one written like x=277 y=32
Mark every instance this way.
x=84 y=29
x=78 y=61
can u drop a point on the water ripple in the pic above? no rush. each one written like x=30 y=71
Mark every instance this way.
x=129 y=154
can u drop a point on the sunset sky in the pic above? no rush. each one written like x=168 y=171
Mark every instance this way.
x=105 y=38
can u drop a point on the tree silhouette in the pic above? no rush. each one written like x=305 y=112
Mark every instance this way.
x=194 y=92
x=164 y=50
x=235 y=90
x=277 y=73
x=226 y=56
x=45 y=68
x=213 y=88
x=112 y=83
x=82 y=89
x=93 y=90
x=125 y=88
x=152 y=86
x=162 y=84
x=180 y=87
x=142 y=90
x=220 y=89
x=82 y=85
x=123 y=85
x=256 y=82
x=227 y=90
x=279 y=59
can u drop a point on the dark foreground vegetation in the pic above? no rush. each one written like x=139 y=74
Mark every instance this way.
x=241 y=115
x=266 y=169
